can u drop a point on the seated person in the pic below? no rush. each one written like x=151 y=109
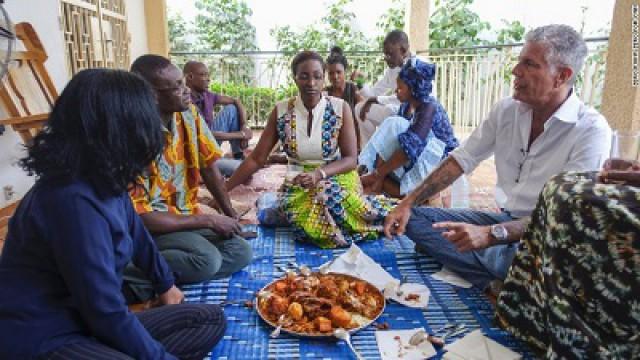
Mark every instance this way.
x=542 y=130
x=381 y=102
x=323 y=202
x=337 y=66
x=197 y=246
x=407 y=147
x=572 y=290
x=229 y=124
x=75 y=230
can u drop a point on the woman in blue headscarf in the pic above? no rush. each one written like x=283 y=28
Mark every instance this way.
x=407 y=147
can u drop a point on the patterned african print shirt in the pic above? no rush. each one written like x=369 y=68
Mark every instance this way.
x=173 y=179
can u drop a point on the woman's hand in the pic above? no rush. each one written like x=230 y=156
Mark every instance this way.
x=307 y=180
x=372 y=183
x=171 y=297
x=355 y=74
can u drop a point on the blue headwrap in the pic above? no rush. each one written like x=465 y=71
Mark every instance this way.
x=418 y=75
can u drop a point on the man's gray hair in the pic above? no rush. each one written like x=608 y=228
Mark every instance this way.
x=565 y=47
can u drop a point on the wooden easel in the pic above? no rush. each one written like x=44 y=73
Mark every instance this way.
x=27 y=92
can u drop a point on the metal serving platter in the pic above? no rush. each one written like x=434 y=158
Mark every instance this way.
x=370 y=287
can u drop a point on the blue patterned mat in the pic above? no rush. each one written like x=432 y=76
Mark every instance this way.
x=247 y=336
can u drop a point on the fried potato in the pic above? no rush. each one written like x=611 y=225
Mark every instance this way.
x=295 y=311
x=323 y=324
x=340 y=317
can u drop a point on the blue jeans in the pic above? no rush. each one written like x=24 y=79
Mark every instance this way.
x=227 y=120
x=227 y=166
x=478 y=267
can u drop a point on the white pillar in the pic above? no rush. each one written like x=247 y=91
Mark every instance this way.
x=417 y=25
x=621 y=94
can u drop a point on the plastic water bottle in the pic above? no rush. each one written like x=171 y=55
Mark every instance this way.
x=460 y=193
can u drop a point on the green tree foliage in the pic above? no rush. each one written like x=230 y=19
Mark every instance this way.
x=335 y=28
x=339 y=28
x=393 y=19
x=453 y=24
x=178 y=33
x=512 y=32
x=224 y=25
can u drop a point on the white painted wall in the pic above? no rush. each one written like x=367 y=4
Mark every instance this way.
x=137 y=28
x=44 y=16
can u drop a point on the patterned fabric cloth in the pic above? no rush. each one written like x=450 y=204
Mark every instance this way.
x=426 y=137
x=173 y=179
x=384 y=144
x=205 y=103
x=334 y=213
x=573 y=289
x=418 y=75
x=430 y=116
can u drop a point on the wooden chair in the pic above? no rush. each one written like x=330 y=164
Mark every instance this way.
x=27 y=95
x=27 y=92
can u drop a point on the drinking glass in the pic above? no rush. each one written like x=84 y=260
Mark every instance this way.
x=625 y=145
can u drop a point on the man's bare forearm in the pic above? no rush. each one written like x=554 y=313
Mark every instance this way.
x=224 y=136
x=214 y=182
x=158 y=222
x=444 y=175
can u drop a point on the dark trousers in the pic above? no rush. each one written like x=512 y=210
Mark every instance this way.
x=193 y=256
x=187 y=331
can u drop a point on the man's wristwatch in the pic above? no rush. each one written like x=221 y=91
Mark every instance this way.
x=500 y=233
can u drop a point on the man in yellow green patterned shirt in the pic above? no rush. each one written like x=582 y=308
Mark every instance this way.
x=197 y=246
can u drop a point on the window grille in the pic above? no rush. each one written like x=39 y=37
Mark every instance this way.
x=95 y=34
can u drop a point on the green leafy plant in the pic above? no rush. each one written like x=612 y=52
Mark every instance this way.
x=335 y=28
x=258 y=101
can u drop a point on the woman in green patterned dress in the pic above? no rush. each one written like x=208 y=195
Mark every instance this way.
x=573 y=290
x=324 y=202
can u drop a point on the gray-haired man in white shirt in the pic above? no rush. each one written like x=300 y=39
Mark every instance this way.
x=544 y=129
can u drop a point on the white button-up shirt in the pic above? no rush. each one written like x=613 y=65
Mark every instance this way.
x=576 y=137
x=385 y=88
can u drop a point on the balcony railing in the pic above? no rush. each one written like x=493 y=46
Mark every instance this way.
x=468 y=80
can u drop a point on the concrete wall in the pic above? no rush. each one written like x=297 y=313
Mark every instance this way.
x=44 y=16
x=137 y=28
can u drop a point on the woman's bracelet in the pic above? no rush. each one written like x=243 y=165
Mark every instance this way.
x=322 y=174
